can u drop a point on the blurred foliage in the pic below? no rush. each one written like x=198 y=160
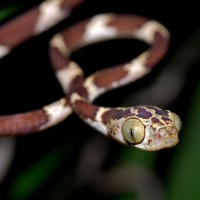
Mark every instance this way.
x=6 y=12
x=183 y=178
x=50 y=169
x=28 y=182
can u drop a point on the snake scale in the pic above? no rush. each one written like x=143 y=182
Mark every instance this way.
x=146 y=127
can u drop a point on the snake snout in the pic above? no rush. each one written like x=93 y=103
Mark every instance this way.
x=170 y=142
x=168 y=136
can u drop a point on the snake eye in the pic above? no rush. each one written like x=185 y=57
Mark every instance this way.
x=177 y=121
x=133 y=131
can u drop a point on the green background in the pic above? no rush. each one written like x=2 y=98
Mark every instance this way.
x=72 y=160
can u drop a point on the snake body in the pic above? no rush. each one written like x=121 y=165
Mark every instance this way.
x=145 y=127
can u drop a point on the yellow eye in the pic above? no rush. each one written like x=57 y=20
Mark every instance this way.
x=133 y=131
x=177 y=121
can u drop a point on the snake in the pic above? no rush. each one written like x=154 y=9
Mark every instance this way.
x=146 y=127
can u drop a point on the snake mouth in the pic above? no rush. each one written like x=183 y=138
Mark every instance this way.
x=170 y=142
x=167 y=137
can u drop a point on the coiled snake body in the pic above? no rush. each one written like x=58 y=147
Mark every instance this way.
x=145 y=127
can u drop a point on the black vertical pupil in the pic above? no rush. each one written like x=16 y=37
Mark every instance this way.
x=132 y=133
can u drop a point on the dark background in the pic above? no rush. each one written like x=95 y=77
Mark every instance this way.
x=72 y=160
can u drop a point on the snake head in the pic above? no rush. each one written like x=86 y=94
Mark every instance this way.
x=145 y=127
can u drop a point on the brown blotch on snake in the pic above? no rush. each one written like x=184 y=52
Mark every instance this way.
x=108 y=115
x=22 y=123
x=13 y=33
x=57 y=59
x=158 y=49
x=109 y=76
x=126 y=23
x=123 y=113
x=87 y=110
x=71 y=3
x=71 y=39
x=159 y=111
x=143 y=113
x=156 y=120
